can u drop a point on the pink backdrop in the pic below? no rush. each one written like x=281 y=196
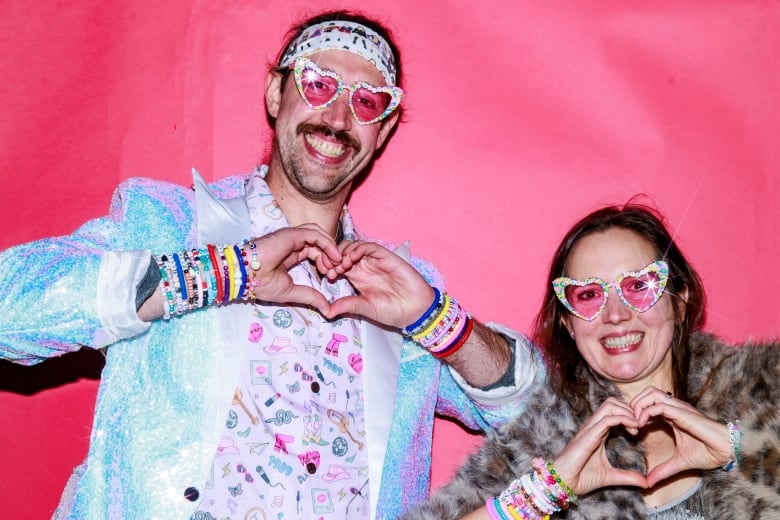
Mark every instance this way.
x=521 y=117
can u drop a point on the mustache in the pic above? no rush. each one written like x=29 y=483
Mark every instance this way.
x=340 y=135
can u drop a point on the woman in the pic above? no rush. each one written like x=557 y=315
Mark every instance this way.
x=643 y=415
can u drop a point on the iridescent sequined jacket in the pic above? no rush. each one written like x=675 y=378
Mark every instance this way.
x=166 y=386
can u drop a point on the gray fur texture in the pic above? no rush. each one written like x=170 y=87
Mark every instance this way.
x=745 y=387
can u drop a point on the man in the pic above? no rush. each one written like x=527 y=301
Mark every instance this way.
x=263 y=392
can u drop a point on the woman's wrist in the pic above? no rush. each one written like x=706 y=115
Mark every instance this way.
x=735 y=442
x=534 y=496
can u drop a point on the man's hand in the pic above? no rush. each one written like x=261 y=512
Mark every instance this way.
x=390 y=290
x=281 y=250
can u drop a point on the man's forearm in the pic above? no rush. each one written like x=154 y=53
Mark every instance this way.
x=484 y=359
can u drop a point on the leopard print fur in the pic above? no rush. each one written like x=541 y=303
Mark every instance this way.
x=745 y=387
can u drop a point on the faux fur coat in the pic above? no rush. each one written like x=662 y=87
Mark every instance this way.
x=745 y=387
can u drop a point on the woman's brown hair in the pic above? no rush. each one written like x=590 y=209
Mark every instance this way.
x=563 y=359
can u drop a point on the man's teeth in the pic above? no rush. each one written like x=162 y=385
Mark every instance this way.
x=623 y=341
x=326 y=148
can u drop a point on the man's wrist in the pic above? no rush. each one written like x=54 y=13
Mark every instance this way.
x=148 y=283
x=507 y=379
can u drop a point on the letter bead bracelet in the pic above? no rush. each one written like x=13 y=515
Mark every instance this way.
x=534 y=496
x=443 y=329
x=735 y=439
x=213 y=275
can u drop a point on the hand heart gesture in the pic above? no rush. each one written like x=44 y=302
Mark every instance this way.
x=389 y=290
x=699 y=442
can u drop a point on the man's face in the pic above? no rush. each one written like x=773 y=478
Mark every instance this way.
x=322 y=151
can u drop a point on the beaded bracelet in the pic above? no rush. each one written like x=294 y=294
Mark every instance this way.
x=409 y=330
x=231 y=266
x=239 y=255
x=517 y=498
x=449 y=322
x=535 y=498
x=554 y=481
x=536 y=495
x=442 y=329
x=179 y=286
x=490 y=507
x=433 y=326
x=225 y=277
x=494 y=509
x=198 y=284
x=735 y=439
x=201 y=277
x=514 y=513
x=204 y=265
x=189 y=280
x=189 y=277
x=434 y=318
x=458 y=342
x=215 y=270
x=200 y=274
x=546 y=496
x=180 y=273
x=171 y=286
x=254 y=266
x=254 y=263
x=521 y=507
x=165 y=288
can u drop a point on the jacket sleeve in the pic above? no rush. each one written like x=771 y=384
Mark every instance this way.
x=59 y=294
x=742 y=383
x=474 y=407
x=487 y=409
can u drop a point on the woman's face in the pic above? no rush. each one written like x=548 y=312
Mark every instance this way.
x=630 y=348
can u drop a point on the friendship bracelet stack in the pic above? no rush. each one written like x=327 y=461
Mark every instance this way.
x=534 y=496
x=735 y=438
x=212 y=275
x=443 y=329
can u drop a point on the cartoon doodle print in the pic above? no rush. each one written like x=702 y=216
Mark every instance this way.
x=282 y=319
x=312 y=428
x=340 y=446
x=282 y=417
x=255 y=332
x=232 y=420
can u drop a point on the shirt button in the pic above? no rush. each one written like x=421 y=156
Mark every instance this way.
x=311 y=468
x=191 y=494
x=315 y=387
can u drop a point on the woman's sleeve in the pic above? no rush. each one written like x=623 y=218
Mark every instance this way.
x=486 y=473
x=759 y=423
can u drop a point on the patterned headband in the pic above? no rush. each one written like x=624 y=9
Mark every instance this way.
x=347 y=36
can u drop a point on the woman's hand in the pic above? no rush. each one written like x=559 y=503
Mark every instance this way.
x=583 y=464
x=700 y=442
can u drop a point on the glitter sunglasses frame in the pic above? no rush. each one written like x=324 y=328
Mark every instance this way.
x=659 y=267
x=302 y=64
